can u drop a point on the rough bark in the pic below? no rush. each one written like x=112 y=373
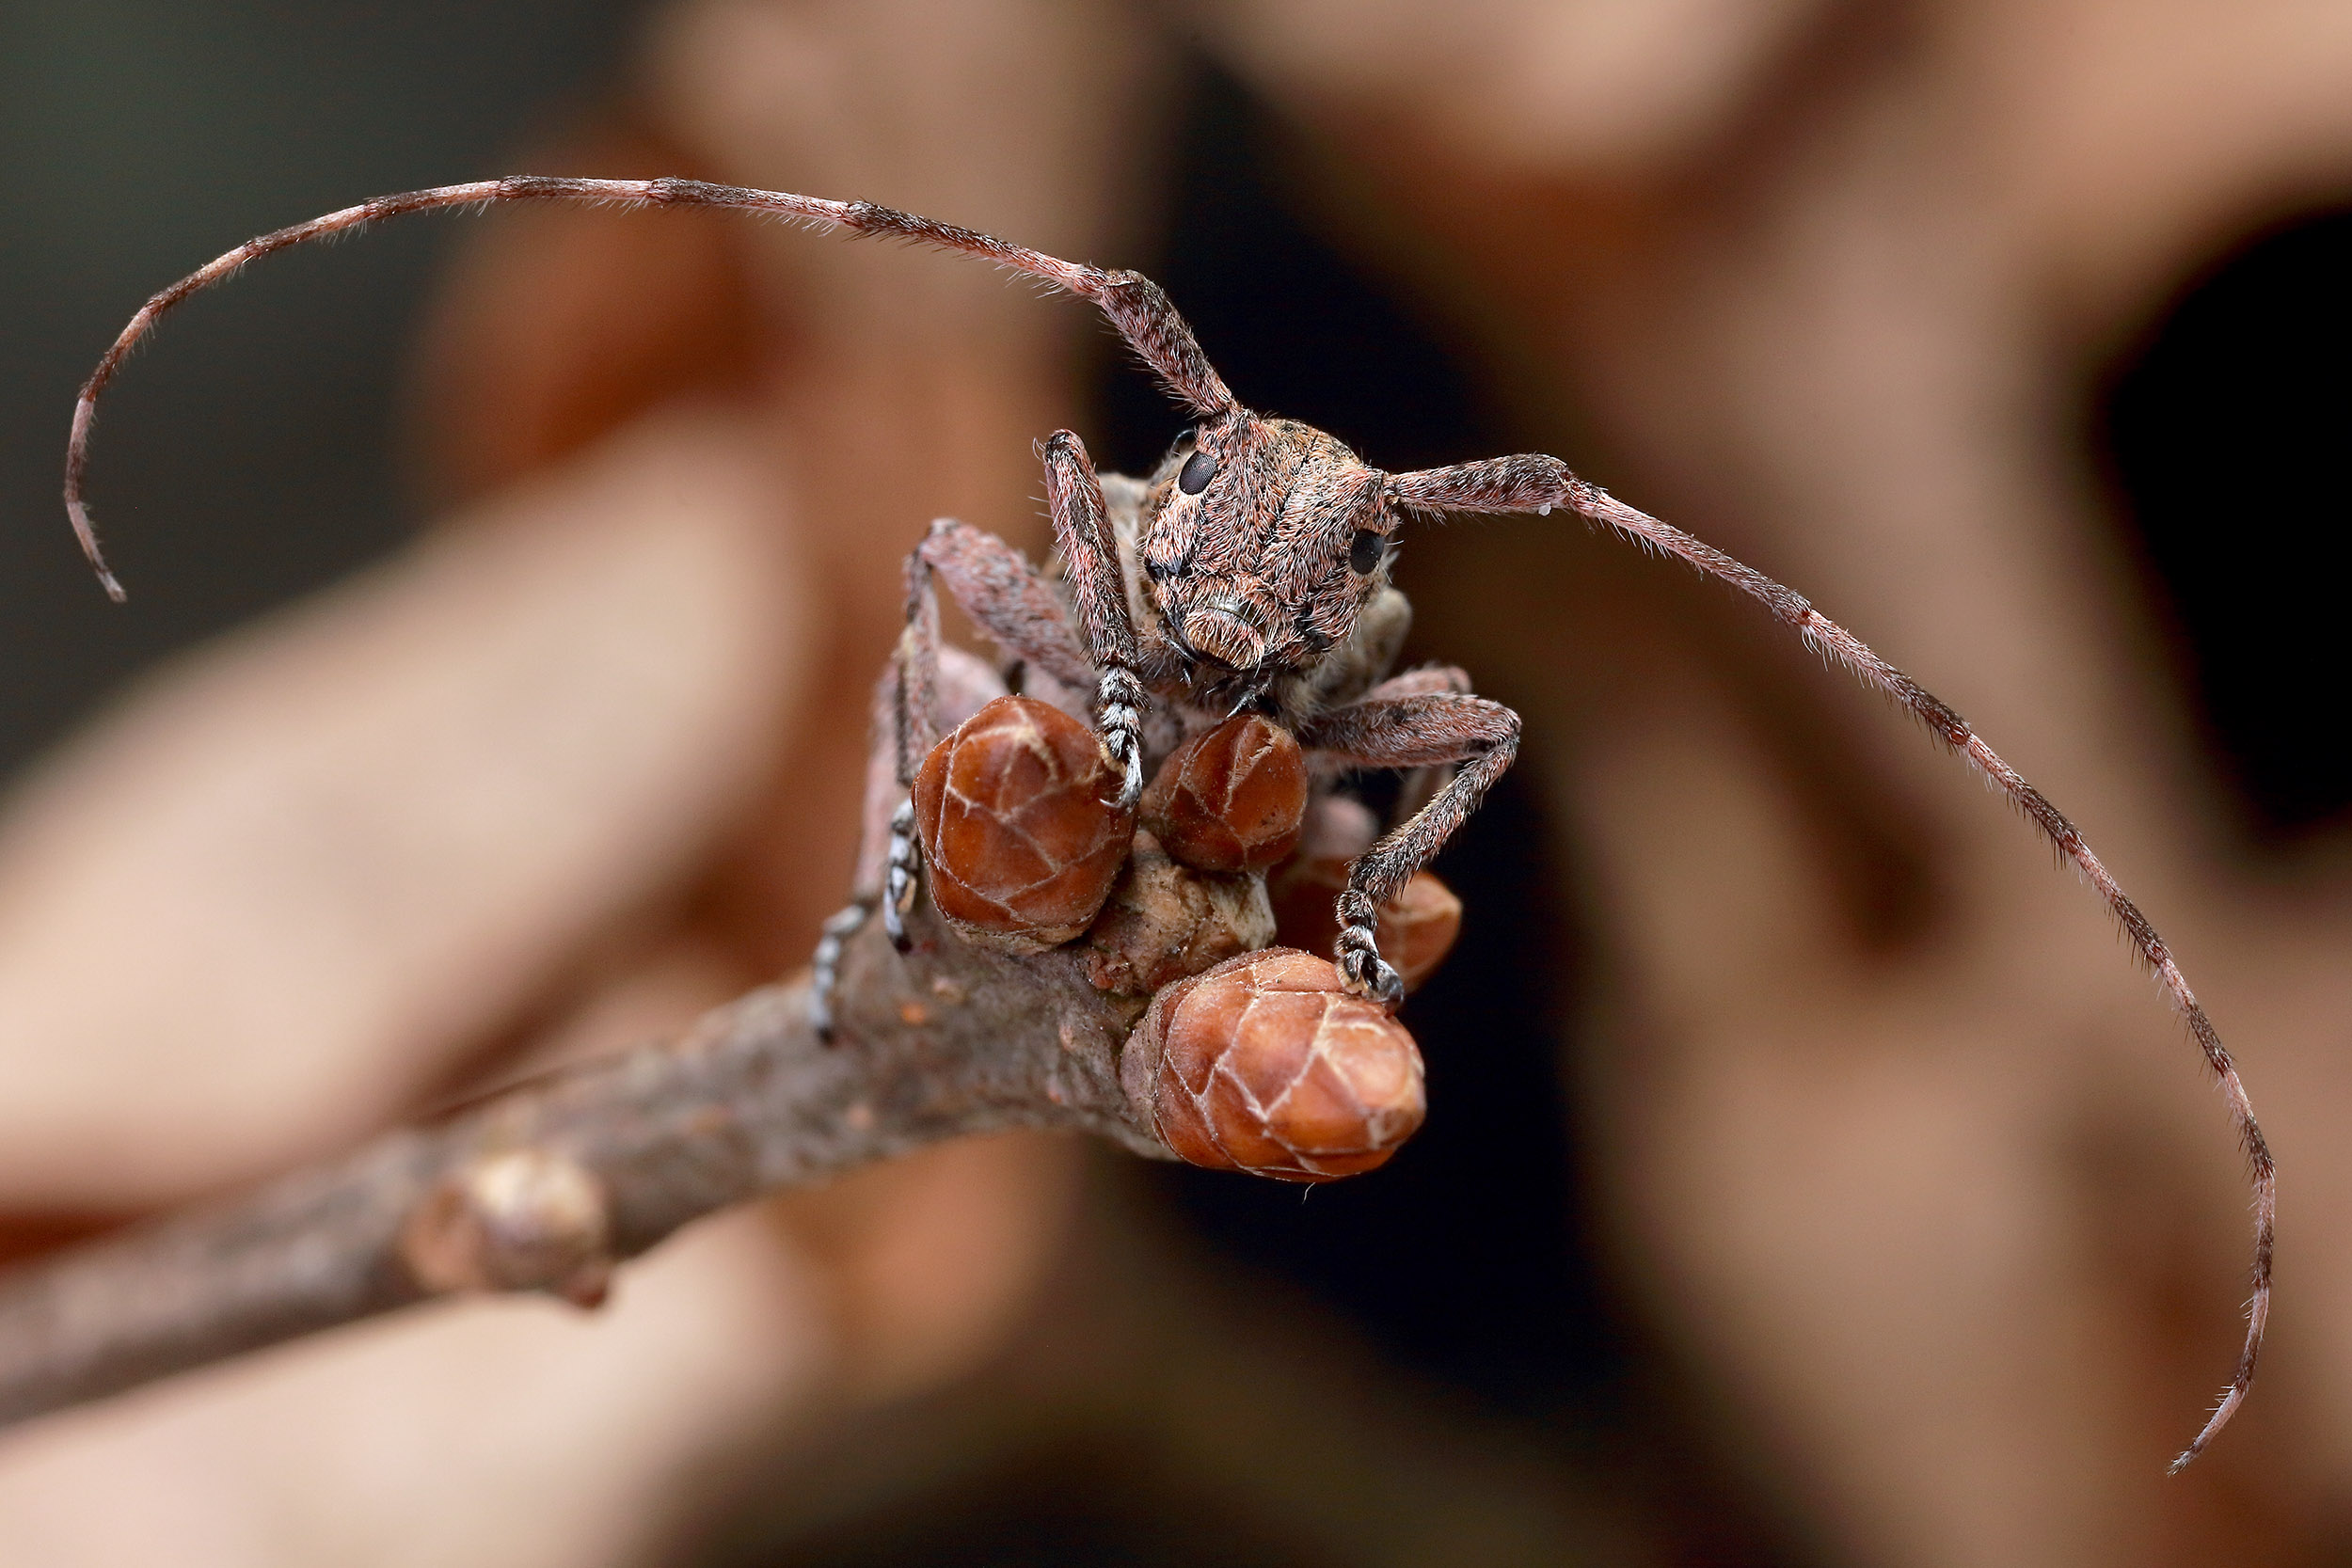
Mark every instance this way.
x=551 y=1185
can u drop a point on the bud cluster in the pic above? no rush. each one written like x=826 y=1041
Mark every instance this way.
x=1249 y=1057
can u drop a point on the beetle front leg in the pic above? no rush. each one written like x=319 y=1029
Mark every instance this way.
x=1097 y=595
x=1425 y=730
x=1016 y=606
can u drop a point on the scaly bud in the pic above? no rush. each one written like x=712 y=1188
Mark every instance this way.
x=1018 y=829
x=1229 y=800
x=1416 y=929
x=1264 y=1064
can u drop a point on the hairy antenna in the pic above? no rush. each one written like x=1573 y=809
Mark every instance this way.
x=1537 y=483
x=1135 y=305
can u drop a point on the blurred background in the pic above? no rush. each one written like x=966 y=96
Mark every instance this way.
x=1809 y=1177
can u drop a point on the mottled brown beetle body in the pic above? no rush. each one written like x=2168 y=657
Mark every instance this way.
x=1250 y=594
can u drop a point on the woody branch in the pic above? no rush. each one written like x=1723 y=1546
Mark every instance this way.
x=547 y=1187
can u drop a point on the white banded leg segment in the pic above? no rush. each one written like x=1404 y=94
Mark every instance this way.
x=824 y=966
x=1119 y=702
x=1356 y=953
x=906 y=860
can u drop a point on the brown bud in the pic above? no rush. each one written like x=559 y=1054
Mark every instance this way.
x=1417 y=926
x=523 y=1219
x=1165 y=921
x=1022 y=844
x=1337 y=827
x=1229 y=800
x=1264 y=1064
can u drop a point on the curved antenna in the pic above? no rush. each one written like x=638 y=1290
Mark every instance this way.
x=1535 y=482
x=1135 y=306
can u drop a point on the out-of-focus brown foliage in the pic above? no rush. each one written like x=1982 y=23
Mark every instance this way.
x=579 y=767
x=554 y=331
x=1897 y=1149
x=1895 y=1158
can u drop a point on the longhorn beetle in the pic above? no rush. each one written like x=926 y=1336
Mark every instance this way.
x=1252 y=572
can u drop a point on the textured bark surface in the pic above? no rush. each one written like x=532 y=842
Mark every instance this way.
x=551 y=1185
x=1164 y=922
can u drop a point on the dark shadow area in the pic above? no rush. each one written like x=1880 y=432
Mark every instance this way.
x=1074 y=1504
x=2224 y=431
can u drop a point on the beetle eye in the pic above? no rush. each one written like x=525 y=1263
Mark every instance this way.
x=1364 y=555
x=1198 y=470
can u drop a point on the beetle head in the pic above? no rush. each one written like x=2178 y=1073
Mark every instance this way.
x=1261 y=540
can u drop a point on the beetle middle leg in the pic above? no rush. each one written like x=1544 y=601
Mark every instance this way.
x=1421 y=728
x=1010 y=600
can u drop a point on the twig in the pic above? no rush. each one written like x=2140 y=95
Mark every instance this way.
x=549 y=1186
